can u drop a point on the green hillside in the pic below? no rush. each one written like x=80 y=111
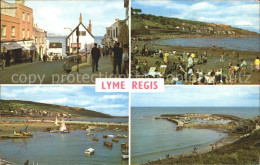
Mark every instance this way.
x=35 y=109
x=158 y=26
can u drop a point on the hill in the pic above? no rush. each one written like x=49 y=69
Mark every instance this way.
x=147 y=26
x=21 y=108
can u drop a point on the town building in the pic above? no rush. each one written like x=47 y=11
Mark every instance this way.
x=16 y=31
x=40 y=40
x=118 y=31
x=86 y=39
x=55 y=50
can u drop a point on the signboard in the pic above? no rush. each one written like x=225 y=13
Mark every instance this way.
x=74 y=45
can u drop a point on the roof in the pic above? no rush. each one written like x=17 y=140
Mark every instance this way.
x=76 y=29
x=55 y=45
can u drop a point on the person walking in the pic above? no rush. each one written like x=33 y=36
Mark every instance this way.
x=95 y=53
x=3 y=61
x=125 y=59
x=117 y=59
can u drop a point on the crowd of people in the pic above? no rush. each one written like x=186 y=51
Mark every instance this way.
x=183 y=67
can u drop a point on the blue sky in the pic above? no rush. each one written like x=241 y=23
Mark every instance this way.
x=76 y=96
x=199 y=96
x=54 y=16
x=241 y=14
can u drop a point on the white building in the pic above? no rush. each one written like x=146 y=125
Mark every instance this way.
x=55 y=50
x=86 y=39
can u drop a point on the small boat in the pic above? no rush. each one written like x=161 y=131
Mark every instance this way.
x=141 y=118
x=17 y=133
x=108 y=144
x=104 y=136
x=124 y=145
x=125 y=155
x=90 y=151
x=89 y=133
x=124 y=136
x=54 y=131
x=111 y=136
x=95 y=138
x=119 y=136
x=117 y=129
x=56 y=121
x=63 y=128
x=115 y=140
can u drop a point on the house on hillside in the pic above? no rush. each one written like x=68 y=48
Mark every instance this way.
x=86 y=39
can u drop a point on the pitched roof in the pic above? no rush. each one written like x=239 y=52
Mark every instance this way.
x=55 y=45
x=76 y=29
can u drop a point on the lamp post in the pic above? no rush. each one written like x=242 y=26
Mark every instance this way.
x=72 y=35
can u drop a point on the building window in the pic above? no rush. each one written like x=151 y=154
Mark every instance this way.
x=28 y=18
x=13 y=32
x=3 y=32
x=40 y=40
x=28 y=33
x=23 y=34
x=23 y=16
x=116 y=32
x=82 y=33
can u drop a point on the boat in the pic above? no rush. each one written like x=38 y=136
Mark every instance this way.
x=56 y=121
x=124 y=146
x=90 y=151
x=95 y=138
x=108 y=144
x=17 y=133
x=115 y=140
x=54 y=131
x=111 y=136
x=125 y=155
x=119 y=136
x=117 y=129
x=23 y=133
x=104 y=136
x=88 y=132
x=63 y=128
x=124 y=136
x=141 y=118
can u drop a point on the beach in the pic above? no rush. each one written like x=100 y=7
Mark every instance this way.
x=213 y=60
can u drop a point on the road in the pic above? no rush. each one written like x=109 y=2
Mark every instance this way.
x=52 y=72
x=32 y=73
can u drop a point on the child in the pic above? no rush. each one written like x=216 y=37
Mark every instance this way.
x=252 y=67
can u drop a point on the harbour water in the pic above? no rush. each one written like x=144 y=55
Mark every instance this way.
x=153 y=139
x=55 y=148
x=239 y=43
x=62 y=39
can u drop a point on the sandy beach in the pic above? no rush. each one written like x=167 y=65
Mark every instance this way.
x=213 y=60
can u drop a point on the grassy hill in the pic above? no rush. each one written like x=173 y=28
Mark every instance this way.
x=6 y=106
x=158 y=26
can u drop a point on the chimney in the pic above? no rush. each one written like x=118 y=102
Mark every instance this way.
x=116 y=19
x=90 y=26
x=80 y=18
x=20 y=2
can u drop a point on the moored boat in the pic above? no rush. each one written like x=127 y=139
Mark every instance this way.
x=63 y=128
x=111 y=136
x=124 y=146
x=108 y=144
x=115 y=140
x=104 y=136
x=95 y=138
x=90 y=151
x=125 y=155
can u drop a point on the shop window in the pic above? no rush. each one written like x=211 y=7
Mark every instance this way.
x=28 y=33
x=23 y=33
x=23 y=16
x=28 y=18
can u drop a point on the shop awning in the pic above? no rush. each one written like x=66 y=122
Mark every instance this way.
x=11 y=45
x=29 y=46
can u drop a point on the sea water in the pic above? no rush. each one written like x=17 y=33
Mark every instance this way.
x=152 y=139
x=56 y=148
x=239 y=43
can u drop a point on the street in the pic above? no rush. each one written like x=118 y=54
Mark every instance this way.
x=52 y=72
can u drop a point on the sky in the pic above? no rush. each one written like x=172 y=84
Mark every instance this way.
x=199 y=96
x=115 y=104
x=54 y=16
x=237 y=13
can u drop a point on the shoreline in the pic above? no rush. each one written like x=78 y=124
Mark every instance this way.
x=230 y=138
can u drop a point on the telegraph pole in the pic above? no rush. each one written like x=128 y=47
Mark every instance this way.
x=78 y=49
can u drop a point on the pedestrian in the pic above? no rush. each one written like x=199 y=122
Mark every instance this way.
x=44 y=57
x=243 y=66
x=3 y=61
x=8 y=59
x=125 y=59
x=117 y=59
x=257 y=64
x=95 y=53
x=30 y=58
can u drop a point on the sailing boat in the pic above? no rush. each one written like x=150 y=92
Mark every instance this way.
x=63 y=128
x=89 y=151
x=56 y=122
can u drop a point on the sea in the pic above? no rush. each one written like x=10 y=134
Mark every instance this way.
x=62 y=39
x=238 y=43
x=55 y=148
x=153 y=139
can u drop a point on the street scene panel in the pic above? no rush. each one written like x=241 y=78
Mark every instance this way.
x=188 y=126
x=196 y=42
x=52 y=125
x=43 y=43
